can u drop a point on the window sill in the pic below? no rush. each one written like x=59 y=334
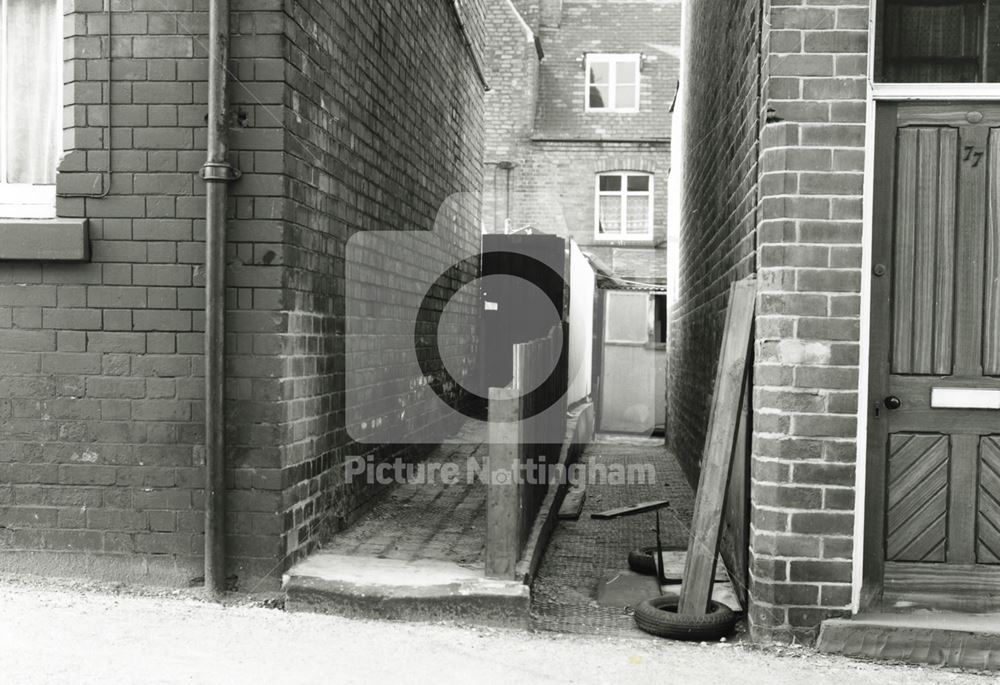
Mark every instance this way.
x=618 y=241
x=48 y=240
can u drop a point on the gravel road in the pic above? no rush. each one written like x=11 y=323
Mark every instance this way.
x=76 y=634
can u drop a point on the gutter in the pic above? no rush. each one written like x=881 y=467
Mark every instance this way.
x=477 y=61
x=218 y=173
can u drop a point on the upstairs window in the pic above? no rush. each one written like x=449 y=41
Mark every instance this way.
x=612 y=83
x=30 y=106
x=624 y=206
x=938 y=41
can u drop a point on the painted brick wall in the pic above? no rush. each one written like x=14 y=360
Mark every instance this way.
x=808 y=328
x=101 y=429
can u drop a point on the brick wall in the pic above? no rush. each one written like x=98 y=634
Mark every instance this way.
x=530 y=10
x=650 y=27
x=513 y=72
x=417 y=133
x=544 y=151
x=101 y=428
x=779 y=195
x=102 y=451
x=718 y=226
x=808 y=328
x=554 y=191
x=510 y=105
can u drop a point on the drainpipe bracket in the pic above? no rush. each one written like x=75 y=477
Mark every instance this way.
x=219 y=171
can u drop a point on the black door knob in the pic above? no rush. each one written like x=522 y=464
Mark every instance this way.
x=892 y=402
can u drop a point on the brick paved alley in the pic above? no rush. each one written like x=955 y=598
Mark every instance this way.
x=427 y=521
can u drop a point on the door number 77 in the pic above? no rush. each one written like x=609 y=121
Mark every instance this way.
x=973 y=155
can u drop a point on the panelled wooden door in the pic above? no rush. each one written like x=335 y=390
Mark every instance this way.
x=935 y=414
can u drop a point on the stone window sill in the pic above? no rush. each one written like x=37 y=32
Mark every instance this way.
x=645 y=241
x=45 y=240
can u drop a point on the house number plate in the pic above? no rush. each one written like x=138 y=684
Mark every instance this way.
x=965 y=398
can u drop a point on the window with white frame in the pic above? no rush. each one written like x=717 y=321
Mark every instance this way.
x=612 y=82
x=624 y=206
x=937 y=41
x=30 y=106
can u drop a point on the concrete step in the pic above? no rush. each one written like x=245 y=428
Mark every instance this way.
x=421 y=590
x=922 y=637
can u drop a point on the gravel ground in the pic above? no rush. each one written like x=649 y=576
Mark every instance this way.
x=54 y=632
x=586 y=552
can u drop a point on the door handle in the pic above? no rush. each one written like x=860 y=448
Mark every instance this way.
x=892 y=402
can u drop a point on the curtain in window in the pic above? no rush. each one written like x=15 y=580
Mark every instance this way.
x=611 y=214
x=33 y=69
x=637 y=214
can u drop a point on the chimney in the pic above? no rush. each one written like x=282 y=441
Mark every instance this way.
x=551 y=13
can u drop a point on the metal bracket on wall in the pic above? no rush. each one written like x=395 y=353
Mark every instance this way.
x=215 y=171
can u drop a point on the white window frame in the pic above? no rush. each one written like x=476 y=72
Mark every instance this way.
x=612 y=59
x=624 y=193
x=22 y=200
x=917 y=90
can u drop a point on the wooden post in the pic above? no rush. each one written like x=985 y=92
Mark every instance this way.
x=723 y=426
x=503 y=501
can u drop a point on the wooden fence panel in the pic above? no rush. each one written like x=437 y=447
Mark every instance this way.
x=523 y=439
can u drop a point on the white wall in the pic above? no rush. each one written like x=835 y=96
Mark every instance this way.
x=581 y=324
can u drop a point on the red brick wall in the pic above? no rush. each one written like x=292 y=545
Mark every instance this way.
x=101 y=412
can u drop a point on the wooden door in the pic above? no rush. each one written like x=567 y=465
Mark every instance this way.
x=632 y=366
x=935 y=400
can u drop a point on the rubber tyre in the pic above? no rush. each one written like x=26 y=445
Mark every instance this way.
x=658 y=616
x=641 y=561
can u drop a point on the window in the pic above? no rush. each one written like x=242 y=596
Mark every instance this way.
x=30 y=106
x=613 y=83
x=938 y=41
x=624 y=206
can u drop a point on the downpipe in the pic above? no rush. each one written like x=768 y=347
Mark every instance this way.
x=218 y=173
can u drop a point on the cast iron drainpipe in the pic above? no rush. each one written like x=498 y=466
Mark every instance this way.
x=218 y=173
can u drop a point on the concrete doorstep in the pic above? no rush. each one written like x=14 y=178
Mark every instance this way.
x=406 y=590
x=937 y=638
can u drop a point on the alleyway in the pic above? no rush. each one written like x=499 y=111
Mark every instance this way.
x=586 y=552
x=114 y=638
x=427 y=520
